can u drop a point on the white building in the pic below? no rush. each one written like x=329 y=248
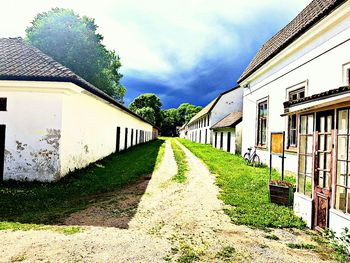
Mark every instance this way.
x=53 y=121
x=227 y=102
x=227 y=134
x=306 y=65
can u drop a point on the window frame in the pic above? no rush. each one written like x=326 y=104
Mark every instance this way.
x=346 y=74
x=296 y=91
x=258 y=126
x=346 y=185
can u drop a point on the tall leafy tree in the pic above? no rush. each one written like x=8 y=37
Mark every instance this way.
x=186 y=112
x=143 y=105
x=73 y=41
x=170 y=119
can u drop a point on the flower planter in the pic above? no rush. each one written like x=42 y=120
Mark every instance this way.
x=281 y=193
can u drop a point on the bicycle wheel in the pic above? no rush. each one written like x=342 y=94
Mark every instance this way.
x=256 y=159
x=246 y=157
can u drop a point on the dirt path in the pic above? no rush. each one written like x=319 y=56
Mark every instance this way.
x=155 y=220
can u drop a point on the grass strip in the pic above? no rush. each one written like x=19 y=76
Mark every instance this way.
x=244 y=189
x=43 y=203
x=181 y=161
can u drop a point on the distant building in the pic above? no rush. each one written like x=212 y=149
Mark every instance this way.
x=53 y=121
x=299 y=83
x=199 y=127
x=227 y=133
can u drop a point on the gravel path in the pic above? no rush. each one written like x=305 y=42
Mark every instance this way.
x=156 y=220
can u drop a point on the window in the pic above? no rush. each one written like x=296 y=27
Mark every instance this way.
x=293 y=119
x=346 y=74
x=292 y=131
x=3 y=104
x=262 y=123
x=305 y=155
x=297 y=94
x=342 y=195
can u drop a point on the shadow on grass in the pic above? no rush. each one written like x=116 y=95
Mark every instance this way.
x=107 y=194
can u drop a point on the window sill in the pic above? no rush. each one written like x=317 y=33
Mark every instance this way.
x=292 y=150
x=261 y=147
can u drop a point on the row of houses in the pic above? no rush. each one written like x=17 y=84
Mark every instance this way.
x=298 y=84
x=53 y=121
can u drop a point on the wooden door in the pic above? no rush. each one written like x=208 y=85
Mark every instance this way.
x=323 y=168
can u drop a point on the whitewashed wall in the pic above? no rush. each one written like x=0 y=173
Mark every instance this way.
x=89 y=127
x=33 y=127
x=225 y=133
x=53 y=128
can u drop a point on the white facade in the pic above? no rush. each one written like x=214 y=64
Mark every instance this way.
x=317 y=61
x=225 y=139
x=199 y=127
x=53 y=128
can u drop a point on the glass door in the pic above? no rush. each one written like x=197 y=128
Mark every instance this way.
x=323 y=167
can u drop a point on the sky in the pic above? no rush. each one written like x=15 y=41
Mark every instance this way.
x=181 y=50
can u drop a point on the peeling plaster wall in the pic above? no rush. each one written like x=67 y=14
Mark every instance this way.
x=89 y=127
x=33 y=132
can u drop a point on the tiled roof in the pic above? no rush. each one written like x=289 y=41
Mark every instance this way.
x=229 y=121
x=308 y=17
x=210 y=106
x=21 y=61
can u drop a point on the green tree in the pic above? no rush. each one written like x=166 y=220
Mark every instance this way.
x=147 y=113
x=73 y=41
x=144 y=103
x=170 y=120
x=186 y=112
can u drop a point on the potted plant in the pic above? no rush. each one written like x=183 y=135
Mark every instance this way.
x=281 y=192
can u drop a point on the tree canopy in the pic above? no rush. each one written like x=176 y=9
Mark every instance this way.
x=147 y=104
x=73 y=41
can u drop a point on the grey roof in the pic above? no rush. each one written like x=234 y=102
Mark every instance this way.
x=21 y=61
x=308 y=17
x=230 y=120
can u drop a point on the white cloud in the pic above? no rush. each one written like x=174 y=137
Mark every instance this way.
x=155 y=37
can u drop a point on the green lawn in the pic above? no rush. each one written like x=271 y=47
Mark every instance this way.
x=244 y=189
x=181 y=161
x=42 y=203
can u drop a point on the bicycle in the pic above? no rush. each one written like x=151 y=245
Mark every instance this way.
x=251 y=157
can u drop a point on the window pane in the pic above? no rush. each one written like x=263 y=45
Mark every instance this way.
x=327 y=180
x=328 y=161
x=310 y=123
x=342 y=147
x=302 y=94
x=303 y=121
x=321 y=160
x=308 y=164
x=308 y=182
x=341 y=173
x=309 y=144
x=340 y=199
x=292 y=137
x=302 y=144
x=321 y=142
x=301 y=183
x=328 y=142
x=320 y=179
x=329 y=123
x=301 y=164
x=343 y=122
x=322 y=124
